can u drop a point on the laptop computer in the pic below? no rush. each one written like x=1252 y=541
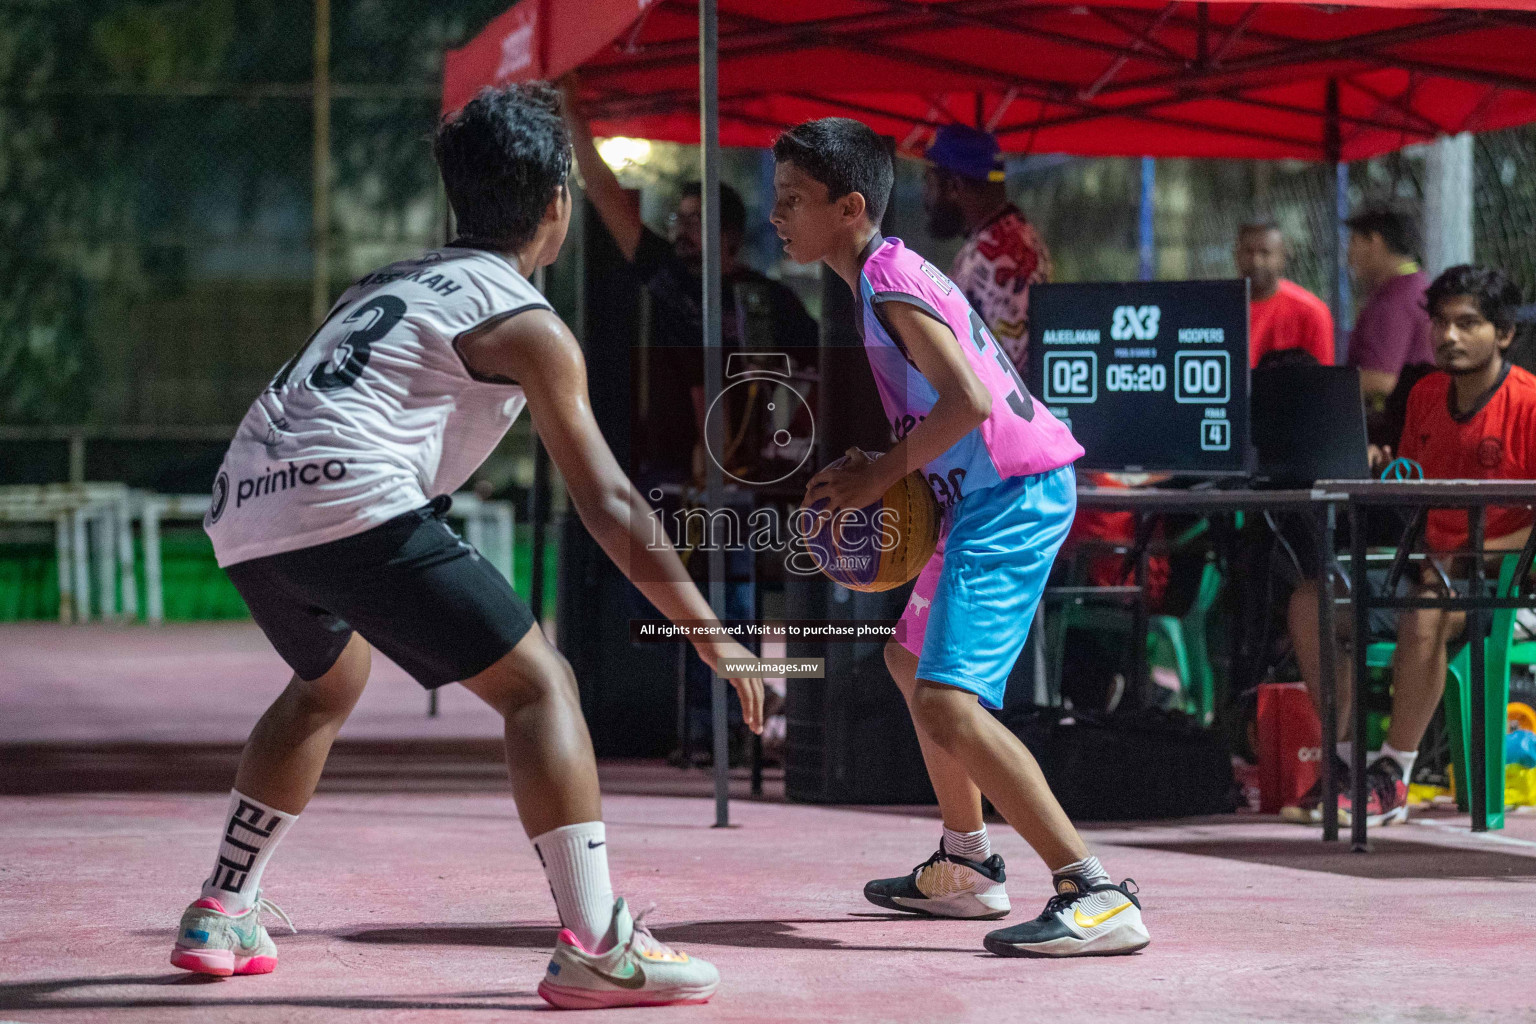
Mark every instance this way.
x=1308 y=424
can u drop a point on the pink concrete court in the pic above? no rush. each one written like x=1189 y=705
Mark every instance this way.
x=428 y=904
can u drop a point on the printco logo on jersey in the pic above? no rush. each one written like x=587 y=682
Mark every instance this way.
x=295 y=474
x=1135 y=323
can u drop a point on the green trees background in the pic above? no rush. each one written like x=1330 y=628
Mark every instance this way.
x=155 y=187
x=155 y=180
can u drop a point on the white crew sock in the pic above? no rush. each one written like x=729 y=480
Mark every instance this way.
x=970 y=845
x=1089 y=869
x=1404 y=759
x=575 y=859
x=251 y=832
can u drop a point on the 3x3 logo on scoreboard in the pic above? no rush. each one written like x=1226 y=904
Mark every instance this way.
x=1151 y=376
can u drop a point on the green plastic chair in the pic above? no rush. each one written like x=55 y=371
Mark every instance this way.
x=1180 y=642
x=1185 y=639
x=1522 y=652
x=1500 y=652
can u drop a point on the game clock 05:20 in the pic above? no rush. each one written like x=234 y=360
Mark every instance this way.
x=1135 y=377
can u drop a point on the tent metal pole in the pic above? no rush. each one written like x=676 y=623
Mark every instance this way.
x=1338 y=188
x=1145 y=226
x=538 y=499
x=320 y=145
x=538 y=514
x=1448 y=175
x=714 y=426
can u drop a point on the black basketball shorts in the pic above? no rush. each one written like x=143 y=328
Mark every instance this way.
x=415 y=590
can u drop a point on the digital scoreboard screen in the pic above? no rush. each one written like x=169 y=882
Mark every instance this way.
x=1151 y=376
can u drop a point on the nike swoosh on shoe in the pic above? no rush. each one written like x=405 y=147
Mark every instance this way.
x=1084 y=921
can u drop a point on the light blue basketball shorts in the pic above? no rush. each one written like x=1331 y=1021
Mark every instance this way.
x=970 y=612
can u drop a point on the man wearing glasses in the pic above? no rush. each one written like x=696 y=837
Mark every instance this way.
x=758 y=311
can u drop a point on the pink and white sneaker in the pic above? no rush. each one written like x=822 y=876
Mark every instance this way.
x=214 y=941
x=637 y=970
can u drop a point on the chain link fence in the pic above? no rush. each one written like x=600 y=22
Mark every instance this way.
x=156 y=196
x=1504 y=207
x=157 y=192
x=1087 y=210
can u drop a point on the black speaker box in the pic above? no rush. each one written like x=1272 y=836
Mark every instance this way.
x=849 y=739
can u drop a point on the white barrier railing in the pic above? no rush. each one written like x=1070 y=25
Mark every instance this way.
x=93 y=537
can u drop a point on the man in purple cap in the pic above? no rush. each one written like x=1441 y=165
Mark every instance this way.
x=963 y=194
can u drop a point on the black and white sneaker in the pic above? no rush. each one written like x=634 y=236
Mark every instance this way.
x=946 y=886
x=1080 y=920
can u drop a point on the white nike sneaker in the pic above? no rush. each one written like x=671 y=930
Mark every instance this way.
x=946 y=886
x=637 y=970
x=210 y=940
x=1080 y=920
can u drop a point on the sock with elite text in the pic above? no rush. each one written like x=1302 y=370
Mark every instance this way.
x=251 y=832
x=1404 y=759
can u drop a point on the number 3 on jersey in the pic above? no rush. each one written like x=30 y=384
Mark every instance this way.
x=1018 y=399
x=374 y=318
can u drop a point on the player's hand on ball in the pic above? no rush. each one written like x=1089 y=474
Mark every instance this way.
x=750 y=690
x=848 y=483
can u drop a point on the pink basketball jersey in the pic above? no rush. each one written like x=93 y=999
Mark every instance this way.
x=1019 y=438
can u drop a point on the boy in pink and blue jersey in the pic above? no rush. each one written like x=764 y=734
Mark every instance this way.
x=1016 y=465
x=1001 y=466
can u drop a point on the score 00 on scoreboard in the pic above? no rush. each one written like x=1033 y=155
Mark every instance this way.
x=1151 y=376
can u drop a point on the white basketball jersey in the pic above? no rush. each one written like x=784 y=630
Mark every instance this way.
x=376 y=414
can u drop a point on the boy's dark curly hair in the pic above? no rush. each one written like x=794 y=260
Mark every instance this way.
x=503 y=157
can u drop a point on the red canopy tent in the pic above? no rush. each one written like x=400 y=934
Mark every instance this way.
x=1131 y=78
x=1228 y=78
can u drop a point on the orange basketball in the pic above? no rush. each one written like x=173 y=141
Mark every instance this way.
x=883 y=545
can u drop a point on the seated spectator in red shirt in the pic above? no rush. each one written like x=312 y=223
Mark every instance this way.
x=1392 y=329
x=1475 y=418
x=1282 y=314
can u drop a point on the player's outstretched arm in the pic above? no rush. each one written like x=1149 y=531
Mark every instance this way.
x=597 y=178
x=537 y=350
x=963 y=404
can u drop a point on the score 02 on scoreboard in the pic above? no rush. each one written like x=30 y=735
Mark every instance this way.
x=1151 y=376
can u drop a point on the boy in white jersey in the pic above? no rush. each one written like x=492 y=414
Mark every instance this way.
x=328 y=513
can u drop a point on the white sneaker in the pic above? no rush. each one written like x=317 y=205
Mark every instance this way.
x=210 y=940
x=946 y=886
x=637 y=970
x=1080 y=920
